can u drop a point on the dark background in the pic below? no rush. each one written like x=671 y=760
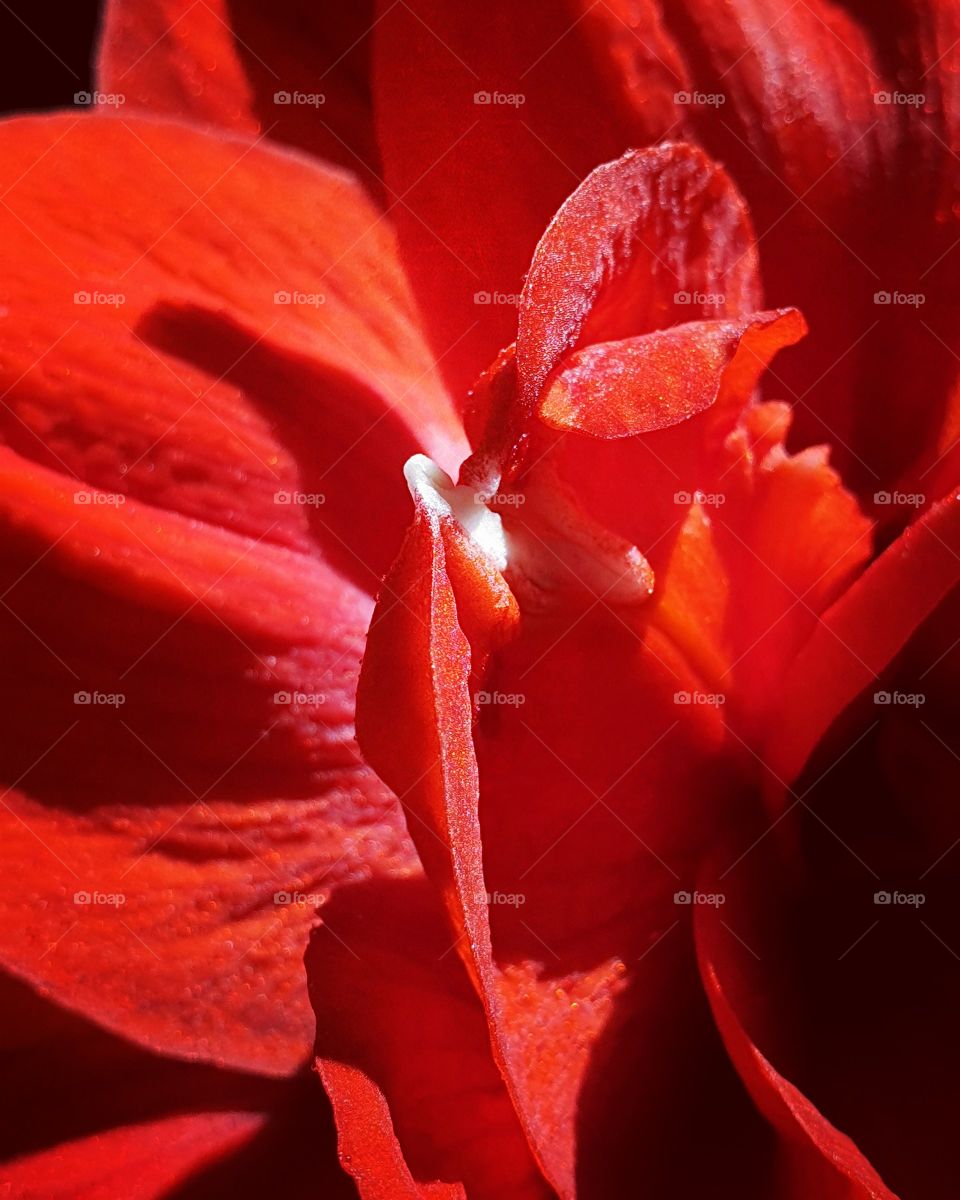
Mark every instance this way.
x=45 y=52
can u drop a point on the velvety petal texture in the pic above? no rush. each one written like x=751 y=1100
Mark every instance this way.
x=509 y=609
x=157 y=1157
x=639 y=385
x=394 y=1010
x=626 y=863
x=97 y=1115
x=476 y=104
x=838 y=122
x=297 y=74
x=186 y=574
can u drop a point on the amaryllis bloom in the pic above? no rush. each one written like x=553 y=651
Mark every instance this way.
x=480 y=543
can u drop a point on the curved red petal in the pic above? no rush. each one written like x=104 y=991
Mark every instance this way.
x=184 y=789
x=643 y=237
x=256 y=367
x=474 y=104
x=487 y=687
x=656 y=234
x=404 y=1052
x=815 y=1158
x=298 y=74
x=838 y=124
x=835 y=943
x=368 y=1144
x=146 y=1161
x=641 y=384
x=556 y=953
x=862 y=632
x=89 y=1102
x=157 y=553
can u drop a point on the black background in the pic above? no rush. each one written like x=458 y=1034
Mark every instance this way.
x=45 y=52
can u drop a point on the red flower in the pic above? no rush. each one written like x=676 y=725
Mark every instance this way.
x=838 y=122
x=641 y=853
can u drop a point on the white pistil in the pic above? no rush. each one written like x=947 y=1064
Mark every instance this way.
x=439 y=493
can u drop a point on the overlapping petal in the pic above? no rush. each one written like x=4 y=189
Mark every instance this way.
x=845 y=977
x=814 y=1156
x=482 y=105
x=838 y=123
x=394 y=1010
x=96 y=1115
x=191 y=474
x=297 y=74
x=561 y=909
x=633 y=541
x=863 y=632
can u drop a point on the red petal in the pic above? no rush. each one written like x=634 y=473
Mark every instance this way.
x=225 y=63
x=368 y=1144
x=147 y=557
x=199 y=392
x=559 y=968
x=638 y=385
x=781 y=584
x=847 y=187
x=405 y=1054
x=598 y=269
x=798 y=85
x=145 y=1161
x=90 y=1101
x=559 y=971
x=731 y=591
x=841 y=186
x=737 y=596
x=200 y=797
x=859 y=636
x=801 y=132
x=636 y=236
x=512 y=163
x=656 y=234
x=852 y=993
x=816 y=1158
